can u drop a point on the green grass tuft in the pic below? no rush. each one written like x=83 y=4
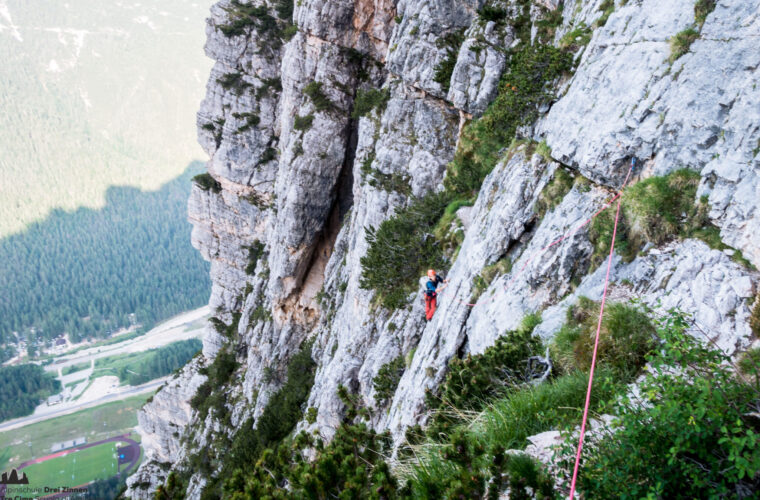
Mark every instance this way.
x=607 y=7
x=449 y=231
x=625 y=340
x=578 y=37
x=702 y=9
x=681 y=42
x=554 y=192
x=655 y=210
x=482 y=281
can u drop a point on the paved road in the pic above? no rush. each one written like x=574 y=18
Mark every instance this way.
x=57 y=411
x=120 y=438
x=167 y=332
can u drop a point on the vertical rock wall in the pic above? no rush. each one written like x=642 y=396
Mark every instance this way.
x=300 y=182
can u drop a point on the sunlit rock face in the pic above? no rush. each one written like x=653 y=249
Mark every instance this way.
x=286 y=226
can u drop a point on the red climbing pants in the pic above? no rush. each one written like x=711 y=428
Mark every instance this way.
x=430 y=303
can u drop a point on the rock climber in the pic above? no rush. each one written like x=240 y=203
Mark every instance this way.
x=431 y=292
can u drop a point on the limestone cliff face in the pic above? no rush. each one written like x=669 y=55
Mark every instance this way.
x=297 y=188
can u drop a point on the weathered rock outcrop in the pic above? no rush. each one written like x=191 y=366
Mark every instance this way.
x=300 y=184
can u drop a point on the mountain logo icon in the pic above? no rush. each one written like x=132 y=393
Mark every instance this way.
x=13 y=478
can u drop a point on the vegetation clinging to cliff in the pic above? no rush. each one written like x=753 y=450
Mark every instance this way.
x=655 y=211
x=625 y=339
x=522 y=90
x=208 y=394
x=368 y=100
x=403 y=246
x=476 y=379
x=243 y=16
x=401 y=249
x=206 y=182
x=451 y=42
x=695 y=436
x=386 y=381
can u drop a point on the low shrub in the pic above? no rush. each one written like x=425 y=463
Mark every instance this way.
x=284 y=9
x=173 y=489
x=208 y=396
x=269 y=85
x=369 y=100
x=255 y=251
x=459 y=470
x=607 y=7
x=401 y=249
x=318 y=98
x=398 y=182
x=477 y=379
x=749 y=364
x=276 y=422
x=268 y=155
x=243 y=16
x=625 y=339
x=303 y=122
x=522 y=90
x=251 y=120
x=233 y=81
x=387 y=379
x=443 y=70
x=349 y=466
x=206 y=182
x=548 y=22
x=281 y=414
x=754 y=319
x=229 y=331
x=492 y=13
x=694 y=436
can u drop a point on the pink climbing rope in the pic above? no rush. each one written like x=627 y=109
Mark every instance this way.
x=543 y=250
x=596 y=345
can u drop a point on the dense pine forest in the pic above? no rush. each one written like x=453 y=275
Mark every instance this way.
x=85 y=272
x=23 y=387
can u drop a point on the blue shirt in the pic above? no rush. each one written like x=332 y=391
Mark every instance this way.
x=431 y=286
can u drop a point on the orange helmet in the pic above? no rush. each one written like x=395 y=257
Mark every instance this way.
x=431 y=273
